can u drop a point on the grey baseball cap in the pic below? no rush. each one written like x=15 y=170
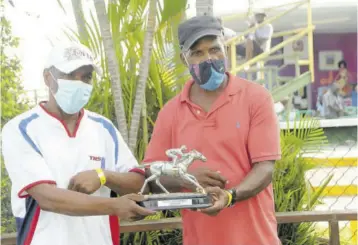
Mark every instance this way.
x=259 y=11
x=197 y=27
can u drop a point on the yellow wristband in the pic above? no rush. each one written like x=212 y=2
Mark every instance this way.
x=230 y=199
x=101 y=176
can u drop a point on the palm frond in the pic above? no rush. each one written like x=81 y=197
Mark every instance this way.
x=127 y=24
x=292 y=191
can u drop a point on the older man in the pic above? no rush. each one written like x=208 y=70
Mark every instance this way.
x=233 y=123
x=65 y=162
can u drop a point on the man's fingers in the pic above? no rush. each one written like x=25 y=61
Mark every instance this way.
x=76 y=187
x=137 y=217
x=213 y=182
x=217 y=176
x=212 y=209
x=213 y=189
x=217 y=203
x=143 y=211
x=135 y=197
x=130 y=216
x=214 y=197
x=133 y=216
x=85 y=190
x=81 y=189
x=70 y=184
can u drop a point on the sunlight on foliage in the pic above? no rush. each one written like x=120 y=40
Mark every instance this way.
x=13 y=103
x=291 y=189
x=167 y=73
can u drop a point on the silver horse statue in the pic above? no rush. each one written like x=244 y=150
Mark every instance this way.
x=178 y=167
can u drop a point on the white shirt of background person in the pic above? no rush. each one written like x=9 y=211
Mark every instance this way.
x=228 y=33
x=263 y=34
x=263 y=37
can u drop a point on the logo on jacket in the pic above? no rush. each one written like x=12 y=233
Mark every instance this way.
x=99 y=159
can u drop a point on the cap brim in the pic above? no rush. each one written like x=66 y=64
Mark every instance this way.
x=70 y=66
x=263 y=13
x=199 y=35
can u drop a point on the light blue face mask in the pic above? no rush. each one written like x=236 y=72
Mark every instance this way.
x=214 y=82
x=72 y=95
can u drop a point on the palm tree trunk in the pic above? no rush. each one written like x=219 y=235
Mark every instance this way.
x=145 y=124
x=204 y=7
x=143 y=74
x=112 y=66
x=80 y=20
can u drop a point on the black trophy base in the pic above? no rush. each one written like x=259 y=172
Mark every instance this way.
x=172 y=201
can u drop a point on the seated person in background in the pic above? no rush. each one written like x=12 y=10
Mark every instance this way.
x=333 y=105
x=257 y=42
x=343 y=78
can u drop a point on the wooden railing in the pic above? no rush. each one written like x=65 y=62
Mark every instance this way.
x=332 y=217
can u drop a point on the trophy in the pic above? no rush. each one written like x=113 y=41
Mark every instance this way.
x=177 y=167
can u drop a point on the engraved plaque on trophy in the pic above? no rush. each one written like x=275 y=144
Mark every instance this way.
x=178 y=167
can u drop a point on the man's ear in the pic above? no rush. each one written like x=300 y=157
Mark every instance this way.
x=182 y=58
x=47 y=77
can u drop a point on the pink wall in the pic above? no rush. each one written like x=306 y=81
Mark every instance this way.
x=346 y=42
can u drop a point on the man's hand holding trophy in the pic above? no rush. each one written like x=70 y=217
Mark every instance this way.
x=181 y=159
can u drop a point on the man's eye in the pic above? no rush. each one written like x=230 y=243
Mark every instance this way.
x=216 y=49
x=196 y=53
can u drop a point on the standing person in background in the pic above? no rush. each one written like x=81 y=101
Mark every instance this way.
x=227 y=32
x=258 y=41
x=233 y=123
x=66 y=162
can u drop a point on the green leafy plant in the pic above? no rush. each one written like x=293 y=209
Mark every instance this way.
x=13 y=102
x=166 y=72
x=292 y=191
